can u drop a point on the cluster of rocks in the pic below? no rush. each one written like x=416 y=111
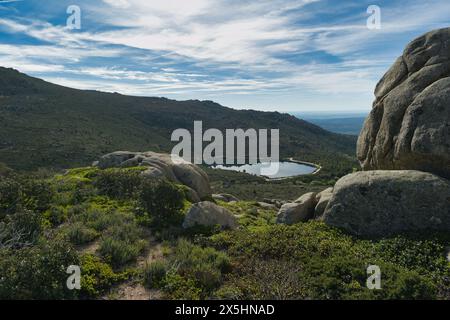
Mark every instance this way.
x=161 y=165
x=308 y=206
x=404 y=148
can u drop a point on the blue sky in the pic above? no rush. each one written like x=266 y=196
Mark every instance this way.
x=303 y=55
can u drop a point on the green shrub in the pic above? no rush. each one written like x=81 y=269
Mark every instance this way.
x=37 y=272
x=128 y=231
x=178 y=287
x=56 y=215
x=97 y=276
x=10 y=196
x=20 y=229
x=257 y=279
x=32 y=194
x=119 y=252
x=118 y=183
x=163 y=201
x=79 y=234
x=425 y=256
x=333 y=265
x=82 y=194
x=100 y=219
x=37 y=195
x=155 y=274
x=202 y=267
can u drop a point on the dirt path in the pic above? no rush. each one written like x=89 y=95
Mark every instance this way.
x=89 y=248
x=134 y=290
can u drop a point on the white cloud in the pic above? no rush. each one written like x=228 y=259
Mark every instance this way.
x=231 y=47
x=118 y=3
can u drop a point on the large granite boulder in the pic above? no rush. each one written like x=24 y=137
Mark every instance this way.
x=409 y=125
x=322 y=199
x=299 y=211
x=382 y=203
x=209 y=214
x=160 y=165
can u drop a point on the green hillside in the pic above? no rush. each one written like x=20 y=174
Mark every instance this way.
x=46 y=125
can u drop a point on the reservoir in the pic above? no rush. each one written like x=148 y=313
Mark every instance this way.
x=286 y=169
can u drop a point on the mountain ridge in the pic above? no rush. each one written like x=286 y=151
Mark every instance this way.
x=47 y=125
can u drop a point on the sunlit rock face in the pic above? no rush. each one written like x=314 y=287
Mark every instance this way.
x=409 y=125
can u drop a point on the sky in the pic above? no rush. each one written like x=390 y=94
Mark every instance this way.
x=277 y=55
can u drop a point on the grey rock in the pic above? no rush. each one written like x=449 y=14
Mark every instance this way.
x=267 y=206
x=276 y=202
x=409 y=125
x=384 y=203
x=322 y=199
x=161 y=166
x=225 y=197
x=299 y=211
x=209 y=214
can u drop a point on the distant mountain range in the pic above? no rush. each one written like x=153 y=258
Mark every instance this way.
x=345 y=123
x=47 y=125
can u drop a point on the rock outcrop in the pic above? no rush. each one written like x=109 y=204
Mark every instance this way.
x=405 y=149
x=209 y=214
x=322 y=199
x=409 y=125
x=382 y=203
x=225 y=197
x=161 y=166
x=299 y=211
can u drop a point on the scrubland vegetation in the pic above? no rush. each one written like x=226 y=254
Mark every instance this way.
x=106 y=221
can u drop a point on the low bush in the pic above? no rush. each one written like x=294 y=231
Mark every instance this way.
x=10 y=196
x=333 y=265
x=119 y=252
x=155 y=274
x=37 y=272
x=55 y=215
x=201 y=268
x=79 y=234
x=20 y=229
x=118 y=183
x=37 y=194
x=178 y=287
x=97 y=276
x=257 y=279
x=163 y=201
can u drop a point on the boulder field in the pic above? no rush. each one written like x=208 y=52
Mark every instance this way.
x=404 y=151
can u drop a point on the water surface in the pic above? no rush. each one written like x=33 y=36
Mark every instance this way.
x=286 y=169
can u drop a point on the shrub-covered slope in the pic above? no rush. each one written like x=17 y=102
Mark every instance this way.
x=125 y=233
x=46 y=125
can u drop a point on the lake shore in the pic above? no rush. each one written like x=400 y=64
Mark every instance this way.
x=318 y=167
